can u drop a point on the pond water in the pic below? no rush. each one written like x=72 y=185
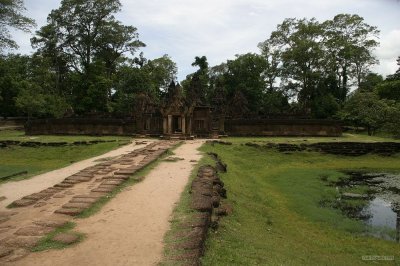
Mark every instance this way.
x=380 y=213
x=383 y=218
x=379 y=207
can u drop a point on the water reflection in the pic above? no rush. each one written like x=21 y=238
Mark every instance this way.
x=398 y=227
x=381 y=215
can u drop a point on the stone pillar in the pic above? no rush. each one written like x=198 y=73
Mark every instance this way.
x=165 y=125
x=222 y=124
x=190 y=126
x=170 y=124
x=183 y=119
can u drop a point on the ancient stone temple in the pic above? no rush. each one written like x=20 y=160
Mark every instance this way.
x=186 y=116
x=179 y=117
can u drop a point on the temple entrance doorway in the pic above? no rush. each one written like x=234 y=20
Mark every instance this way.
x=176 y=124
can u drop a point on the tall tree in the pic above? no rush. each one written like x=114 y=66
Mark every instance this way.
x=349 y=42
x=244 y=75
x=367 y=110
x=11 y=15
x=197 y=84
x=273 y=68
x=141 y=85
x=162 y=72
x=302 y=55
x=85 y=37
x=13 y=69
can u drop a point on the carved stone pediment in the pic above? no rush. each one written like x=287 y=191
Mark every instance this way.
x=175 y=101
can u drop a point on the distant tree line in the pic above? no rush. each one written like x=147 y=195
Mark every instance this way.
x=86 y=62
x=306 y=68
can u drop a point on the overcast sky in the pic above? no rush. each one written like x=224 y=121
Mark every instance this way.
x=220 y=29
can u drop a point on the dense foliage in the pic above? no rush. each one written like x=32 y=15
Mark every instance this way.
x=86 y=63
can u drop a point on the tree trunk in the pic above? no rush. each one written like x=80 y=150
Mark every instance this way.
x=369 y=129
x=344 y=86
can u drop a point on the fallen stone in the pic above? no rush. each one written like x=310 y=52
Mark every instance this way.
x=17 y=254
x=8 y=213
x=202 y=203
x=193 y=243
x=5 y=251
x=138 y=178
x=51 y=190
x=90 y=196
x=106 y=190
x=107 y=186
x=23 y=241
x=354 y=196
x=39 y=204
x=66 y=238
x=63 y=185
x=36 y=196
x=75 y=205
x=85 y=174
x=125 y=172
x=79 y=178
x=123 y=177
x=4 y=219
x=33 y=231
x=194 y=254
x=71 y=181
x=112 y=182
x=71 y=212
x=83 y=200
x=51 y=223
x=215 y=201
x=23 y=202
x=201 y=219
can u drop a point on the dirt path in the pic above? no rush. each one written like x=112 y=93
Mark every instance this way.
x=15 y=190
x=130 y=228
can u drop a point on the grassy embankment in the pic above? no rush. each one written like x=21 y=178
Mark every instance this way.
x=36 y=160
x=277 y=215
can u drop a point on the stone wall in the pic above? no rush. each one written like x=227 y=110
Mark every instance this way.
x=282 y=127
x=239 y=127
x=12 y=123
x=80 y=126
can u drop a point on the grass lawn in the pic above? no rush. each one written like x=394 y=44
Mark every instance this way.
x=296 y=140
x=20 y=136
x=277 y=217
x=15 y=159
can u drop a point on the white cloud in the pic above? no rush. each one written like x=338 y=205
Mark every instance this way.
x=387 y=52
x=220 y=29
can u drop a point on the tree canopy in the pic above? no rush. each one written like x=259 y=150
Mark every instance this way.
x=11 y=15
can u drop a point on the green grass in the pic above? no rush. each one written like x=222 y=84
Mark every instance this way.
x=47 y=241
x=298 y=140
x=15 y=159
x=277 y=217
x=43 y=159
x=19 y=135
